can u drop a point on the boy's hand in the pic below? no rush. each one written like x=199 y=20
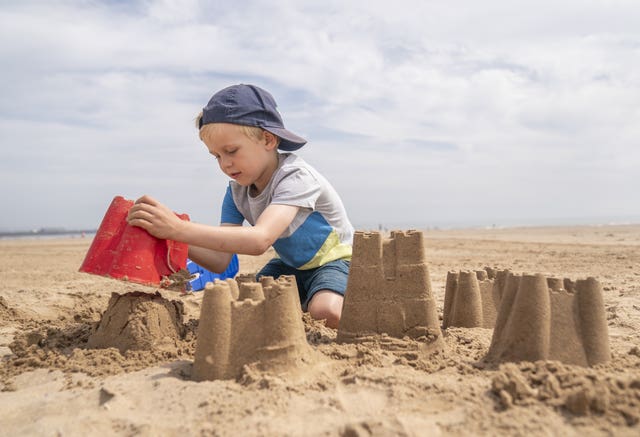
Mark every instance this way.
x=155 y=218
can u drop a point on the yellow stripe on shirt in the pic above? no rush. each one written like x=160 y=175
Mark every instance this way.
x=331 y=250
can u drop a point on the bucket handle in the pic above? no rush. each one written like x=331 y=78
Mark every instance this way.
x=170 y=244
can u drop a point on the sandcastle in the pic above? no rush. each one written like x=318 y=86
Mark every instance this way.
x=139 y=321
x=389 y=290
x=249 y=323
x=544 y=318
x=471 y=300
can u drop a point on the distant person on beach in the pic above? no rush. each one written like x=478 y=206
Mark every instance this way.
x=288 y=204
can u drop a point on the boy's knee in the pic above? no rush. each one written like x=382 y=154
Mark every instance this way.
x=326 y=305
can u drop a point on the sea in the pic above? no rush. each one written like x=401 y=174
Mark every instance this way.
x=367 y=225
x=44 y=234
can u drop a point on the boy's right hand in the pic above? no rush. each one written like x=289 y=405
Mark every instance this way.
x=155 y=218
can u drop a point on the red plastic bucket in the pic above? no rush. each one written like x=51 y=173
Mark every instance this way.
x=130 y=253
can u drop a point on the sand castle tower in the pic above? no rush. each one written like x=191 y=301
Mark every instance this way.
x=550 y=319
x=470 y=299
x=139 y=321
x=389 y=289
x=249 y=323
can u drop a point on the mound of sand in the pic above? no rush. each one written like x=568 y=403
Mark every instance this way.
x=139 y=321
x=7 y=313
x=579 y=391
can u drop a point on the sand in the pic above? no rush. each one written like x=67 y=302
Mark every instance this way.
x=139 y=321
x=51 y=383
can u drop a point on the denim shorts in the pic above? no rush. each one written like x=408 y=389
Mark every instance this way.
x=331 y=276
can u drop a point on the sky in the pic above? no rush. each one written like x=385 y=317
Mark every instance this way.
x=420 y=113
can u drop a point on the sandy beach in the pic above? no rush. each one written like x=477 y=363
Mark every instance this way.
x=51 y=383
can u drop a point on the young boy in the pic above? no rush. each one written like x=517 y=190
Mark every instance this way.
x=288 y=203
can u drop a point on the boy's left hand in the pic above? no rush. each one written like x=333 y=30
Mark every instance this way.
x=155 y=218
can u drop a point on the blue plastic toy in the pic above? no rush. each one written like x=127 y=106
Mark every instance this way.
x=203 y=275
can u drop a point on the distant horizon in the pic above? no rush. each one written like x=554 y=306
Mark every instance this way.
x=390 y=225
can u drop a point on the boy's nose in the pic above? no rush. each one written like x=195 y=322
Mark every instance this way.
x=224 y=162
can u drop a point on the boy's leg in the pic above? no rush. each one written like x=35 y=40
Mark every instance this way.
x=326 y=305
x=326 y=287
x=321 y=290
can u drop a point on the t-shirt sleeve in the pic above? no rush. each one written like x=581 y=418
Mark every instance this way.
x=299 y=188
x=230 y=213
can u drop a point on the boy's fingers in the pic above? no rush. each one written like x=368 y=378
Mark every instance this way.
x=133 y=213
x=147 y=199
x=139 y=214
x=142 y=207
x=138 y=207
x=144 y=224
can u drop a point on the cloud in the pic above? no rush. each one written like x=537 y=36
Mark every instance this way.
x=472 y=112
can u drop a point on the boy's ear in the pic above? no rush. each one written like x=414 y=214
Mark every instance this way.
x=271 y=140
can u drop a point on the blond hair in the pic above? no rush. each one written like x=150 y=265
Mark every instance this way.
x=253 y=132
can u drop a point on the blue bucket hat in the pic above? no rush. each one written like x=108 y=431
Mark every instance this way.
x=250 y=105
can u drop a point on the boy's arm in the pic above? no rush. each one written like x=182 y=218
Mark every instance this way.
x=161 y=222
x=211 y=260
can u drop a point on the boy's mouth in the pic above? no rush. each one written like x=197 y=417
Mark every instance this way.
x=235 y=175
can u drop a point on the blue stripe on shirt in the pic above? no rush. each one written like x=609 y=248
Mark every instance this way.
x=301 y=246
x=230 y=213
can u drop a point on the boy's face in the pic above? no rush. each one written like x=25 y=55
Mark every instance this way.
x=247 y=160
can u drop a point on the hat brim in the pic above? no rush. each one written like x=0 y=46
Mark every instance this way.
x=288 y=140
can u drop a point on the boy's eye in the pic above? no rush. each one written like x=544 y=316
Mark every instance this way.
x=232 y=151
